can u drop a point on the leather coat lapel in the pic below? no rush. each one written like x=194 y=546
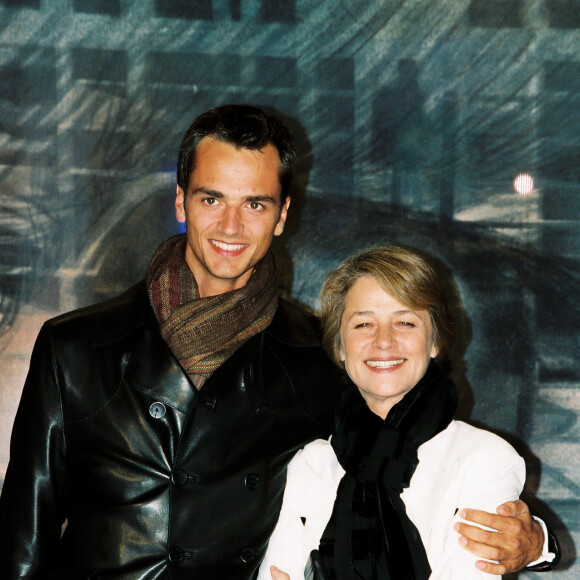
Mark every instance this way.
x=152 y=368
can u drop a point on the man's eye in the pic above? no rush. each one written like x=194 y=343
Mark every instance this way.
x=210 y=200
x=256 y=205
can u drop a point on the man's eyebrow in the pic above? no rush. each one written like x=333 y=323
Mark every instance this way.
x=262 y=198
x=250 y=198
x=205 y=191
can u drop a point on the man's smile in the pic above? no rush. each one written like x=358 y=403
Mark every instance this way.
x=226 y=246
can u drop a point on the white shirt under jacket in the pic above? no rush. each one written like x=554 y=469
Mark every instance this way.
x=460 y=467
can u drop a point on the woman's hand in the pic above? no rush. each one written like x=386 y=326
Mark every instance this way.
x=277 y=574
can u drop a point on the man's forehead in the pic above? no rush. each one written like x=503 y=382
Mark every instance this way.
x=219 y=165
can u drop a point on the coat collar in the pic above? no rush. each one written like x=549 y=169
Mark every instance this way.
x=120 y=317
x=129 y=318
x=152 y=368
x=294 y=326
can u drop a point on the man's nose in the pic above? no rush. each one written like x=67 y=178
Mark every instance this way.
x=230 y=222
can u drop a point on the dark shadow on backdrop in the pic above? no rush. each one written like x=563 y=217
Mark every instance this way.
x=297 y=204
x=400 y=130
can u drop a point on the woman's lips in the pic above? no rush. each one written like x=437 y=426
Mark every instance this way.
x=384 y=364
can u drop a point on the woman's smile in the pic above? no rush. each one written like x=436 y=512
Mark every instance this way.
x=386 y=346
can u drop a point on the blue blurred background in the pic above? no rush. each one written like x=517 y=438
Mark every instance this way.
x=449 y=125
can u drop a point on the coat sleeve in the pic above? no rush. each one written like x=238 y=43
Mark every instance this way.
x=32 y=499
x=489 y=472
x=285 y=546
x=313 y=476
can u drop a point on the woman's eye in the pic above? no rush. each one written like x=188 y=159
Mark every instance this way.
x=362 y=325
x=407 y=323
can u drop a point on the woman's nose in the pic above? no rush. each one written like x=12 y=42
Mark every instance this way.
x=384 y=337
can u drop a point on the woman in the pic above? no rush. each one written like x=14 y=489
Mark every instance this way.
x=379 y=500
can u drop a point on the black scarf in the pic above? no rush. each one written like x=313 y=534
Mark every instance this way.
x=369 y=535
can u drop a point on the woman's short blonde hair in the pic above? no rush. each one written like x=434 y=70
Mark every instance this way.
x=404 y=273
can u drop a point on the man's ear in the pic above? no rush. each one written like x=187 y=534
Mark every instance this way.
x=180 y=205
x=283 y=215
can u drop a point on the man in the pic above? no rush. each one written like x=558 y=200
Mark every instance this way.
x=158 y=425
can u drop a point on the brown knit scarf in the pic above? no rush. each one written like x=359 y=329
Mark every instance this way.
x=203 y=333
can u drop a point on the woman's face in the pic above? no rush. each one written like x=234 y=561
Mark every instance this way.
x=385 y=345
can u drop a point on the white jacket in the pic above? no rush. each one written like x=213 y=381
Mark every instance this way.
x=461 y=467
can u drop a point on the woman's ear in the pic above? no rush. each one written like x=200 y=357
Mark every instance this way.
x=434 y=351
x=341 y=353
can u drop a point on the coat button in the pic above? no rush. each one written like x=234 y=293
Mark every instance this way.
x=248 y=555
x=252 y=481
x=176 y=555
x=209 y=403
x=179 y=477
x=157 y=410
x=262 y=413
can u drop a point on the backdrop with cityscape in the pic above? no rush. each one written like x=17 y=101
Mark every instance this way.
x=449 y=125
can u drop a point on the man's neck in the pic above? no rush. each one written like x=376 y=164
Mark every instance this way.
x=208 y=285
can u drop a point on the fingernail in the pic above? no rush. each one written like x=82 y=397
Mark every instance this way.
x=462 y=514
x=480 y=565
x=456 y=526
x=463 y=541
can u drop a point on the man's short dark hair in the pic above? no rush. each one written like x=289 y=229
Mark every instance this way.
x=245 y=127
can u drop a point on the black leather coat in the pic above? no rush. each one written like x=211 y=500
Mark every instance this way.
x=155 y=479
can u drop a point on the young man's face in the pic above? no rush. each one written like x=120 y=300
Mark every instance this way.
x=232 y=210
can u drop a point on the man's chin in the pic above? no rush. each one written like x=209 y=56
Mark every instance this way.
x=229 y=279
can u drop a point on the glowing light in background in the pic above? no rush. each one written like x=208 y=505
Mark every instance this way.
x=524 y=184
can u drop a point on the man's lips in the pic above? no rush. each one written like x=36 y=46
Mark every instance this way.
x=384 y=364
x=227 y=247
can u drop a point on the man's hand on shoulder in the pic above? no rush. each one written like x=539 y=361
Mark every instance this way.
x=518 y=540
